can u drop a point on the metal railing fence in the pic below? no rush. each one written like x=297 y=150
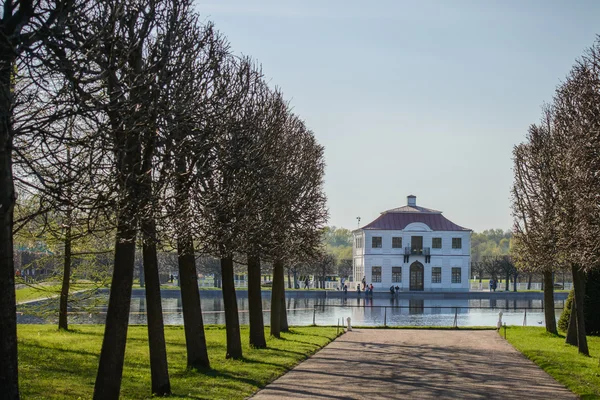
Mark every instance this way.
x=419 y=310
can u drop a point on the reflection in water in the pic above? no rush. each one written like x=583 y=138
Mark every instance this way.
x=393 y=311
x=416 y=306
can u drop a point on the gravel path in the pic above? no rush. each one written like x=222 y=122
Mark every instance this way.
x=411 y=363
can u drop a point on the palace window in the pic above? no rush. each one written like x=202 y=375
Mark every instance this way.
x=436 y=275
x=396 y=242
x=358 y=242
x=456 y=275
x=436 y=243
x=457 y=243
x=376 y=242
x=376 y=274
x=396 y=274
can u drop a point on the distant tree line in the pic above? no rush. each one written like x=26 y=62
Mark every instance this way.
x=132 y=122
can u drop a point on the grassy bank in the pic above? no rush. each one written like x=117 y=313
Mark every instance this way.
x=47 y=290
x=59 y=365
x=34 y=292
x=578 y=373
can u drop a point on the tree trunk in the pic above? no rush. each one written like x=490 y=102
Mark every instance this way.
x=9 y=381
x=507 y=286
x=195 y=340
x=142 y=276
x=572 y=328
x=529 y=278
x=276 y=294
x=289 y=274
x=110 y=368
x=64 y=291
x=257 y=325
x=579 y=289
x=549 y=313
x=296 y=286
x=232 y=321
x=156 y=331
x=515 y=282
x=129 y=173
x=283 y=322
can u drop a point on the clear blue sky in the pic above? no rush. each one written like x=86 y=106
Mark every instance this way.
x=414 y=97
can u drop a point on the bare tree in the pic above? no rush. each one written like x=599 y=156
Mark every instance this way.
x=300 y=209
x=557 y=181
x=535 y=208
x=122 y=61
x=220 y=190
x=577 y=130
x=268 y=113
x=23 y=24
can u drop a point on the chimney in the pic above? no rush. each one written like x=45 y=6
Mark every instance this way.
x=412 y=200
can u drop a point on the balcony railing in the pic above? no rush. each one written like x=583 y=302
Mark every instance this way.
x=413 y=251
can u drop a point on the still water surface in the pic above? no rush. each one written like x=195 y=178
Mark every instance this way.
x=418 y=310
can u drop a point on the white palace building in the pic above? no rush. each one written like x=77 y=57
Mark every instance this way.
x=414 y=248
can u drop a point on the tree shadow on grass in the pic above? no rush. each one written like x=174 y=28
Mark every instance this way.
x=311 y=344
x=79 y=331
x=299 y=353
x=297 y=332
x=215 y=373
x=247 y=360
x=59 y=349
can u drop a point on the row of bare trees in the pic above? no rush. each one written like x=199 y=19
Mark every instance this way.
x=556 y=190
x=496 y=267
x=133 y=120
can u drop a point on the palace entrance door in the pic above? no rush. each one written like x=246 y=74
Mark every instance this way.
x=416 y=276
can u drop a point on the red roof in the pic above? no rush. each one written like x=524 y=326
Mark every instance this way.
x=398 y=218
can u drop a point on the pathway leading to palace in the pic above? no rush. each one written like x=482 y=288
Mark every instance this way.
x=411 y=363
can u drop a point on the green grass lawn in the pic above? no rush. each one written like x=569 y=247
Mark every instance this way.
x=60 y=365
x=37 y=292
x=46 y=290
x=578 y=373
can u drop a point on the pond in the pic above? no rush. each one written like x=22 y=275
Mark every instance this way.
x=304 y=308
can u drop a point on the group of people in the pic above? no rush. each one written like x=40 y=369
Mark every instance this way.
x=368 y=289
x=27 y=276
x=493 y=284
x=394 y=290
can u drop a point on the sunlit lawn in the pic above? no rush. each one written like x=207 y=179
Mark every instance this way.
x=39 y=291
x=59 y=365
x=579 y=373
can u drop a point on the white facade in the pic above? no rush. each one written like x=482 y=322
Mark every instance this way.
x=417 y=263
